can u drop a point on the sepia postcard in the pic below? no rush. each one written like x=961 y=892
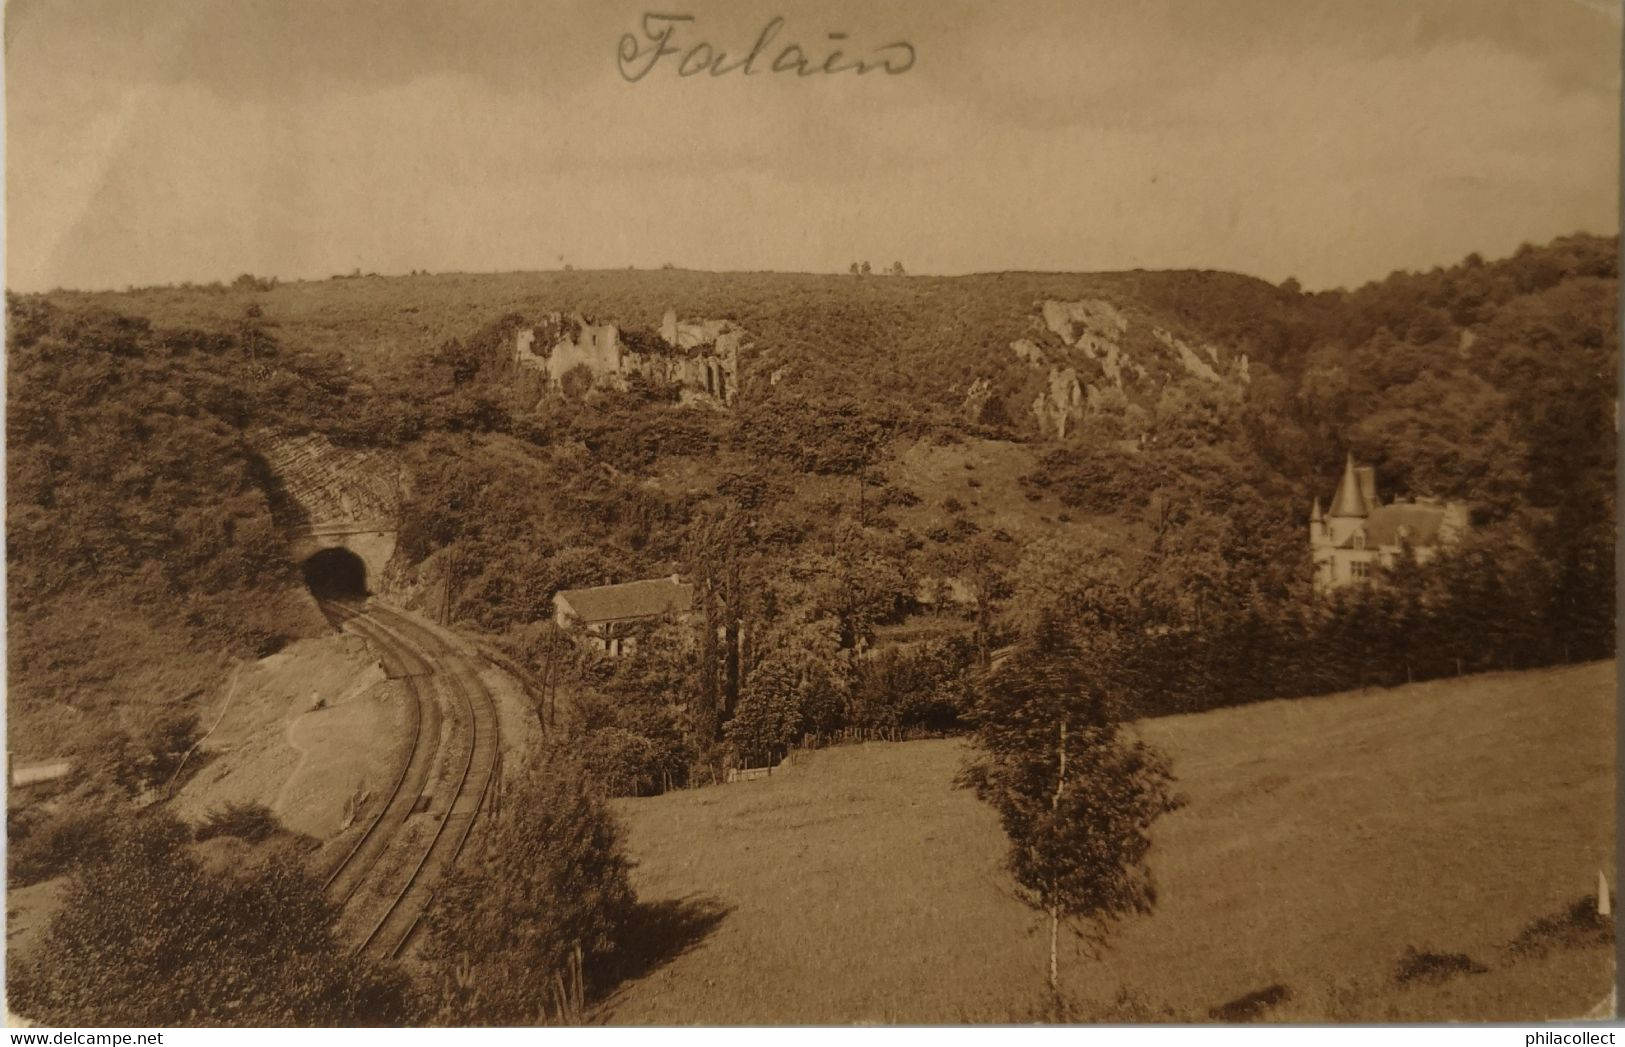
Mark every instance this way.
x=533 y=513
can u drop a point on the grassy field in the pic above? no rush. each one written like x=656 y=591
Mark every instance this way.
x=1322 y=838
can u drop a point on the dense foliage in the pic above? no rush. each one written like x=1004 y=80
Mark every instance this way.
x=149 y=935
x=1485 y=382
x=538 y=907
x=137 y=509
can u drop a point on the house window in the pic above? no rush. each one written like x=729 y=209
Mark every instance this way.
x=1359 y=569
x=1359 y=540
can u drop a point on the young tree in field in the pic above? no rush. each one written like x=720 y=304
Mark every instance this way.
x=1076 y=796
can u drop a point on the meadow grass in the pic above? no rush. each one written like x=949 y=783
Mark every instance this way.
x=1322 y=839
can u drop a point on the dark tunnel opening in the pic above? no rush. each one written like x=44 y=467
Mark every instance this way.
x=336 y=574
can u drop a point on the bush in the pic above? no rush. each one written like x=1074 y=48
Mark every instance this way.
x=40 y=845
x=1578 y=926
x=165 y=743
x=253 y=822
x=925 y=686
x=148 y=937
x=622 y=762
x=547 y=883
x=1428 y=967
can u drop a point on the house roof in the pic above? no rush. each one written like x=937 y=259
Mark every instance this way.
x=1420 y=521
x=1349 y=501
x=650 y=598
x=1382 y=528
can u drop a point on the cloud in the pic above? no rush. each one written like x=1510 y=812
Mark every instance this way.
x=166 y=140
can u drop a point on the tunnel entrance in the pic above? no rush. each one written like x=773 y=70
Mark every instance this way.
x=336 y=574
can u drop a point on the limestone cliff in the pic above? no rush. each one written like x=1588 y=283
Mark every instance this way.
x=700 y=358
x=1087 y=349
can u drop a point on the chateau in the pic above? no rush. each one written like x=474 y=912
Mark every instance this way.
x=1359 y=530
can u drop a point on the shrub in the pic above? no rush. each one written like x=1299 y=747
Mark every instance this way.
x=165 y=743
x=547 y=883
x=622 y=762
x=46 y=844
x=925 y=686
x=245 y=821
x=148 y=936
x=1578 y=926
x=1428 y=967
x=892 y=495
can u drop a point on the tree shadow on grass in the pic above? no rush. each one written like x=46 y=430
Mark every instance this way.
x=657 y=933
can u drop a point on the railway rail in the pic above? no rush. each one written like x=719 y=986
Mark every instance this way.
x=425 y=661
x=401 y=662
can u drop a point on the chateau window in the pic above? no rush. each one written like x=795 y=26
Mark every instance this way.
x=1359 y=540
x=1359 y=569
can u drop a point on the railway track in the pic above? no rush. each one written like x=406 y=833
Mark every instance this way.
x=424 y=661
x=401 y=662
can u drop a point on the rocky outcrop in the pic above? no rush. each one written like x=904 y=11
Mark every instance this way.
x=1061 y=404
x=1095 y=328
x=976 y=398
x=1027 y=352
x=1194 y=365
x=1104 y=364
x=700 y=358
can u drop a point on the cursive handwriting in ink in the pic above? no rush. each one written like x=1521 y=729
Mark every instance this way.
x=638 y=56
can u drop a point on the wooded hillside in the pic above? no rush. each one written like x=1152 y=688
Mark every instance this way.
x=136 y=490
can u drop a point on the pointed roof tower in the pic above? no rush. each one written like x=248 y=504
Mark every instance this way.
x=1314 y=514
x=1349 y=501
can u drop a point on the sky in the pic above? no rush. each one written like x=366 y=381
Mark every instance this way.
x=1334 y=141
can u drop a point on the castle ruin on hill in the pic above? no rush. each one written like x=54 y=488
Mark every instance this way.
x=700 y=358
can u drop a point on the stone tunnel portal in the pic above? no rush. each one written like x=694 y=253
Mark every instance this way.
x=336 y=574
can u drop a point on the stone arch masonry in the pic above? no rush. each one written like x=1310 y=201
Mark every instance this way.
x=327 y=497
